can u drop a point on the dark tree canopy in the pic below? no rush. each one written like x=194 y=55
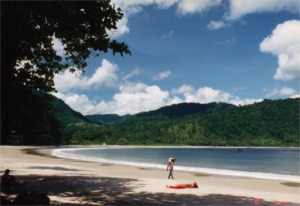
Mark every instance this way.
x=28 y=29
x=28 y=59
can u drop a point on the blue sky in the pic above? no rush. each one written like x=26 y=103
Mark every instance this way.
x=234 y=51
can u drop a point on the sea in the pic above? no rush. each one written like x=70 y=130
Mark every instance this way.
x=264 y=163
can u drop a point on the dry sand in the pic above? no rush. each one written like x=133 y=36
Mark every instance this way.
x=75 y=182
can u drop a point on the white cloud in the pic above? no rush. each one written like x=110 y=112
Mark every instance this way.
x=58 y=46
x=68 y=81
x=132 y=98
x=239 y=8
x=184 y=89
x=135 y=97
x=122 y=28
x=192 y=6
x=78 y=102
x=166 y=3
x=131 y=7
x=284 y=91
x=207 y=95
x=183 y=6
x=284 y=42
x=135 y=72
x=242 y=102
x=175 y=100
x=202 y=95
x=295 y=96
x=215 y=25
x=105 y=75
x=162 y=75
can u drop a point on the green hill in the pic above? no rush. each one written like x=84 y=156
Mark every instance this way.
x=268 y=123
x=184 y=109
x=65 y=113
x=101 y=118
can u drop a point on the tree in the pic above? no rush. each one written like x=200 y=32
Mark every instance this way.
x=28 y=59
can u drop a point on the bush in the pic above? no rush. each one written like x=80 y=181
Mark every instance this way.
x=122 y=141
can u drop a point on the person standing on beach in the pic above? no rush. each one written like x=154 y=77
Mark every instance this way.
x=170 y=167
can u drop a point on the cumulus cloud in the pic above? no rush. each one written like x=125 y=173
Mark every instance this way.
x=202 y=95
x=78 y=102
x=133 y=7
x=135 y=97
x=184 y=89
x=239 y=8
x=162 y=75
x=284 y=42
x=242 y=102
x=122 y=28
x=183 y=6
x=132 y=98
x=105 y=75
x=192 y=6
x=205 y=95
x=284 y=91
x=295 y=96
x=67 y=81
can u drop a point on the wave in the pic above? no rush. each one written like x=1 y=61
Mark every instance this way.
x=65 y=153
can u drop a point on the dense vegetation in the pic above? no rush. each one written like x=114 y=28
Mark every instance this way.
x=268 y=123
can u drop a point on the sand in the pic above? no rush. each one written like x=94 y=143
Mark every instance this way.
x=75 y=182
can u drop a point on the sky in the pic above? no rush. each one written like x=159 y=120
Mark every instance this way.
x=234 y=51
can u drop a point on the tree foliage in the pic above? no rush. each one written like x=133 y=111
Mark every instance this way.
x=28 y=58
x=268 y=123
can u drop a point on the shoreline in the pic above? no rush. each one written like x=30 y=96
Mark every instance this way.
x=101 y=180
x=60 y=152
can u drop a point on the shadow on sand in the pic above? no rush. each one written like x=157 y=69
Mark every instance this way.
x=87 y=190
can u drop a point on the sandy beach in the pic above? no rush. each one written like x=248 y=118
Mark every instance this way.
x=75 y=182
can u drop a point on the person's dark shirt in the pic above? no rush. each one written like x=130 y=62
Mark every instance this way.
x=7 y=180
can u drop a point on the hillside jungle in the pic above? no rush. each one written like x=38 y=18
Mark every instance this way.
x=268 y=123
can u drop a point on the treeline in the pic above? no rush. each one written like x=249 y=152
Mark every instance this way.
x=48 y=120
x=268 y=123
x=32 y=119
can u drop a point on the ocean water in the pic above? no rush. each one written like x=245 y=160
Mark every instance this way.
x=267 y=163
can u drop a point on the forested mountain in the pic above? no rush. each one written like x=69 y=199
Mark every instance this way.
x=184 y=109
x=65 y=113
x=268 y=123
x=102 y=118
